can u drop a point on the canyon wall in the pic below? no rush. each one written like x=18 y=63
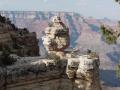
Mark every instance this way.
x=17 y=40
x=84 y=34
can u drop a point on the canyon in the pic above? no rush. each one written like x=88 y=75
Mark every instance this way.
x=84 y=34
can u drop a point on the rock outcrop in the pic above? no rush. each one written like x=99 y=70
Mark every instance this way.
x=31 y=74
x=18 y=41
x=34 y=73
x=56 y=37
x=84 y=71
x=44 y=74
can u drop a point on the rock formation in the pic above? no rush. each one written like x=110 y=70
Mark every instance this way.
x=84 y=71
x=56 y=37
x=34 y=73
x=43 y=74
x=18 y=41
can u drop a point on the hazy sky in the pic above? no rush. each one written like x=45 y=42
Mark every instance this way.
x=95 y=8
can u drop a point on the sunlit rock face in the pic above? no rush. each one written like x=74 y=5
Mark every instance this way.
x=56 y=36
x=84 y=71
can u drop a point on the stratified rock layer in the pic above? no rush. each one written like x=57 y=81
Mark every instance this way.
x=17 y=41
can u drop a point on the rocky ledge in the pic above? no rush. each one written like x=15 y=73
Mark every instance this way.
x=45 y=74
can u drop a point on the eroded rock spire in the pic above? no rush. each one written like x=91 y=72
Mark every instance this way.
x=56 y=37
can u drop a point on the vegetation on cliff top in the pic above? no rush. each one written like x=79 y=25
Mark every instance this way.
x=55 y=58
x=108 y=35
x=5 y=58
x=118 y=1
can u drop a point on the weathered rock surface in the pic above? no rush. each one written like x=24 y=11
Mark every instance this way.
x=29 y=74
x=43 y=74
x=56 y=37
x=85 y=72
x=18 y=41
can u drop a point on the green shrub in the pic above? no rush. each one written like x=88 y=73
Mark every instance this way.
x=108 y=35
x=6 y=59
x=54 y=57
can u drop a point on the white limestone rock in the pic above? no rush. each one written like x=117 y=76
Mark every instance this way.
x=56 y=36
x=87 y=63
x=84 y=70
